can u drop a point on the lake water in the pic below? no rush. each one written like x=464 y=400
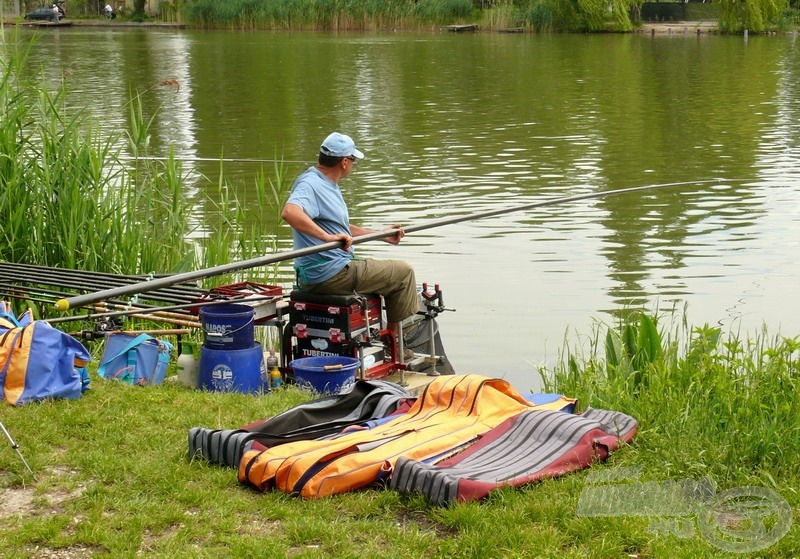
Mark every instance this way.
x=455 y=124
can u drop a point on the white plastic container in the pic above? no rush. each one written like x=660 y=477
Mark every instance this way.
x=187 y=366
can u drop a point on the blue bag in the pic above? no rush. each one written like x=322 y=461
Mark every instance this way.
x=133 y=359
x=38 y=361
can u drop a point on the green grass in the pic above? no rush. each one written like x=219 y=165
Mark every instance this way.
x=113 y=478
x=729 y=402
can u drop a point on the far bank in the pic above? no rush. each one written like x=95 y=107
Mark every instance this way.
x=429 y=15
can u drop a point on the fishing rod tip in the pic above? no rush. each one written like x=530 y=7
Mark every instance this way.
x=62 y=305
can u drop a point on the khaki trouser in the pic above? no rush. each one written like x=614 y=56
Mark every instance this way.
x=394 y=279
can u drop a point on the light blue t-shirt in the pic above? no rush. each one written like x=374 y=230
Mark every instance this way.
x=322 y=201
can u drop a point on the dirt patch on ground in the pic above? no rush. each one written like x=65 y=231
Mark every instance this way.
x=31 y=501
x=15 y=502
x=74 y=552
x=27 y=501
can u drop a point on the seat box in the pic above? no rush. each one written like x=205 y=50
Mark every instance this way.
x=318 y=347
x=318 y=315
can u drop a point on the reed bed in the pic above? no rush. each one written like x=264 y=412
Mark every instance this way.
x=70 y=197
x=326 y=14
x=708 y=405
x=66 y=198
x=244 y=229
x=537 y=15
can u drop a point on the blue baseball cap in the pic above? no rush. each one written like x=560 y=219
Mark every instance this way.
x=340 y=145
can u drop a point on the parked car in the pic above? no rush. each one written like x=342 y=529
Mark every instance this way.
x=52 y=13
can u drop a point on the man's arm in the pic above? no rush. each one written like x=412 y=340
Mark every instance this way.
x=299 y=220
x=357 y=231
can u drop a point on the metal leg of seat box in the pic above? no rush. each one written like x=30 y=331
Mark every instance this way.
x=401 y=350
x=432 y=357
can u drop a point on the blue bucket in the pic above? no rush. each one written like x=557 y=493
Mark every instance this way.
x=229 y=326
x=325 y=374
x=232 y=370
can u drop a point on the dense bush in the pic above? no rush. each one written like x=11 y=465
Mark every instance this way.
x=578 y=15
x=750 y=15
x=443 y=11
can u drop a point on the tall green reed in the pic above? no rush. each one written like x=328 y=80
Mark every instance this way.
x=325 y=14
x=54 y=182
x=443 y=11
x=540 y=15
x=241 y=227
x=707 y=405
x=67 y=200
x=70 y=197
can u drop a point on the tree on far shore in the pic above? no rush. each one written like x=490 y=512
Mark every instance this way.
x=751 y=15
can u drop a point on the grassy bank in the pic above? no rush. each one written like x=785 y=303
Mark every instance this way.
x=730 y=402
x=113 y=478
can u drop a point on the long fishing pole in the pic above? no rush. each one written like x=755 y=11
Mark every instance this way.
x=153 y=313
x=153 y=317
x=122 y=308
x=169 y=295
x=157 y=283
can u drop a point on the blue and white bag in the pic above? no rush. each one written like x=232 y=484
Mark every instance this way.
x=133 y=359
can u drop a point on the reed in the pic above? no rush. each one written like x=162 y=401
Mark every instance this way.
x=504 y=14
x=67 y=199
x=325 y=14
x=707 y=405
x=71 y=198
x=443 y=11
x=243 y=224
x=539 y=15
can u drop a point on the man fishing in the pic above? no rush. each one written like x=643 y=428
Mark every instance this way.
x=318 y=214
